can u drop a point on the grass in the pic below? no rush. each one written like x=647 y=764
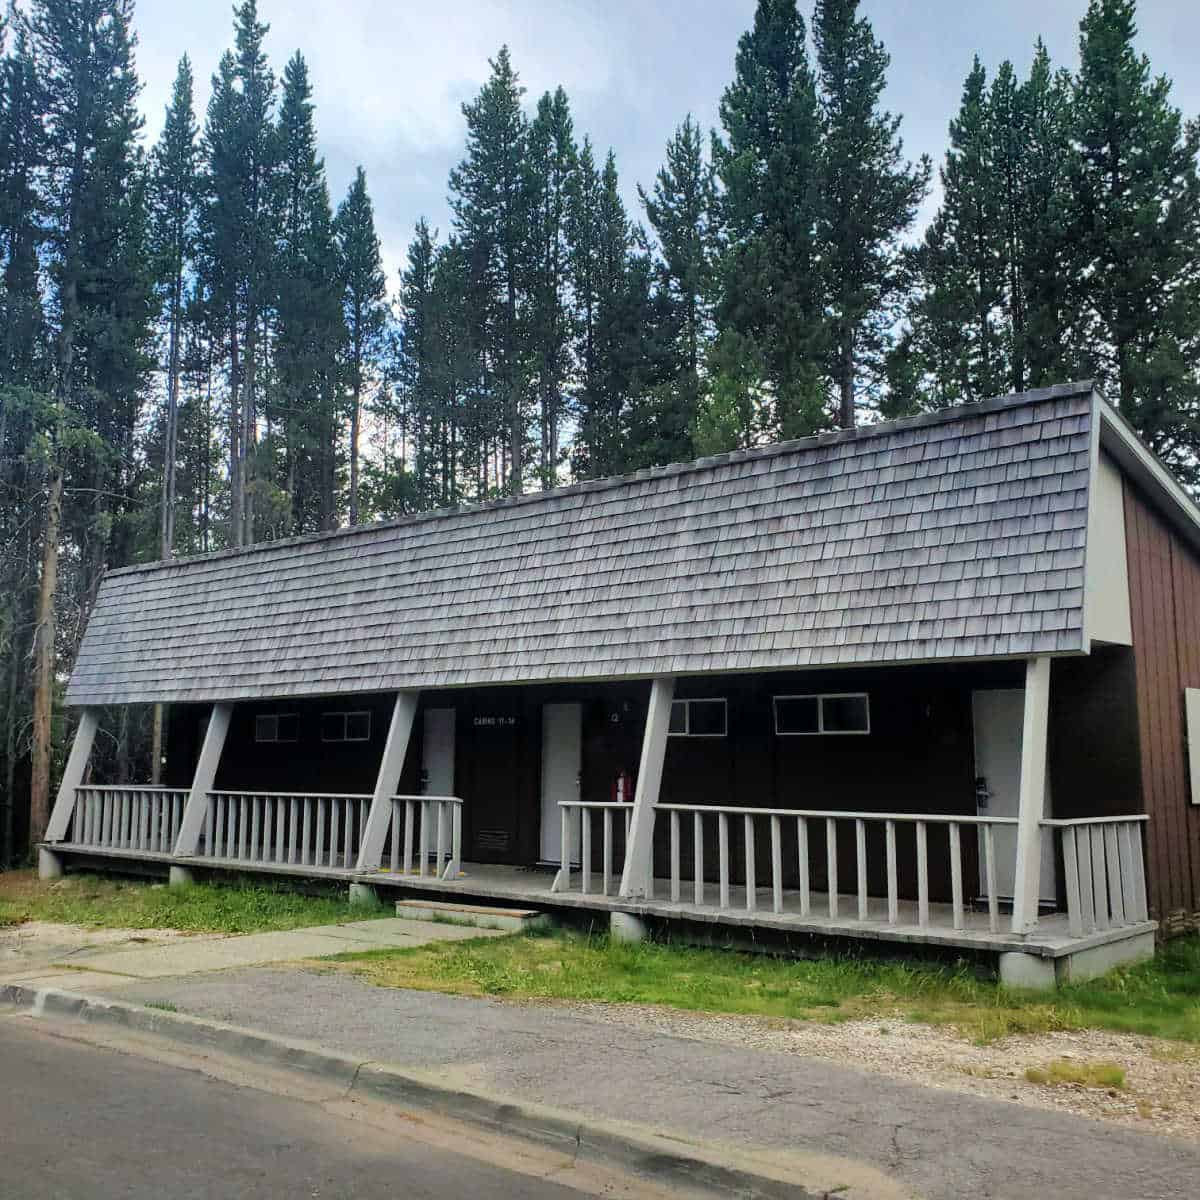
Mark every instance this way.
x=1065 y=1072
x=197 y=908
x=1160 y=997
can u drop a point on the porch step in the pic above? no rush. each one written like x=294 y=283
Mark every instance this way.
x=478 y=915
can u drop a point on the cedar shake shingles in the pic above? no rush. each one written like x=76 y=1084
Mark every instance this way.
x=889 y=543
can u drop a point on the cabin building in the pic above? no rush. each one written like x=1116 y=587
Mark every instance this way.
x=927 y=682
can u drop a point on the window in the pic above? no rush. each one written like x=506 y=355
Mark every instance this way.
x=848 y=712
x=698 y=718
x=346 y=727
x=276 y=727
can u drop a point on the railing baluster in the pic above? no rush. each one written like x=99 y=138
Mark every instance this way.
x=698 y=857
x=348 y=832
x=424 y=849
x=409 y=817
x=395 y=834
x=723 y=858
x=564 y=847
x=751 y=873
x=244 y=829
x=143 y=822
x=210 y=848
x=441 y=837
x=1087 y=892
x=674 y=823
x=860 y=847
x=989 y=859
x=831 y=865
x=956 y=876
x=256 y=829
x=220 y=845
x=922 y=875
x=1112 y=854
x=306 y=833
x=1141 y=909
x=455 y=864
x=893 y=882
x=802 y=865
x=776 y=864
x=1071 y=882
x=608 y=847
x=585 y=850
x=1099 y=877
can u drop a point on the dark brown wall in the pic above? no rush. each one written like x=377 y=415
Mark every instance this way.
x=1164 y=592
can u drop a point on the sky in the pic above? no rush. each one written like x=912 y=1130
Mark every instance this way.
x=390 y=76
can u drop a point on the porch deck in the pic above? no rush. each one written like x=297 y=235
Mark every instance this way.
x=531 y=887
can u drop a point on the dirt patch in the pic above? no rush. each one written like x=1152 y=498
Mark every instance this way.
x=1162 y=1078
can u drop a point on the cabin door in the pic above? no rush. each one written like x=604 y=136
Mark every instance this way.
x=999 y=716
x=437 y=752
x=562 y=748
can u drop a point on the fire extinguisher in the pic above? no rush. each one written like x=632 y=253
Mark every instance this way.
x=622 y=792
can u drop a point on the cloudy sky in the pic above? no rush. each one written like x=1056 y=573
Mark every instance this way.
x=390 y=76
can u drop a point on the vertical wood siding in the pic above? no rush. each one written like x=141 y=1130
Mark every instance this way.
x=1164 y=586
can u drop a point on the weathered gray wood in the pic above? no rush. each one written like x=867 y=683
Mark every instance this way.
x=860 y=849
x=1116 y=886
x=802 y=866
x=1071 y=882
x=893 y=883
x=989 y=858
x=674 y=824
x=776 y=864
x=608 y=850
x=831 y=865
x=723 y=859
x=585 y=850
x=637 y=878
x=956 y=874
x=1099 y=877
x=73 y=773
x=1031 y=801
x=188 y=841
x=922 y=875
x=698 y=857
x=387 y=781
x=751 y=873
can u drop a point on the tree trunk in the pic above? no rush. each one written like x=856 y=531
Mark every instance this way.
x=236 y=474
x=43 y=664
x=846 y=380
x=354 y=421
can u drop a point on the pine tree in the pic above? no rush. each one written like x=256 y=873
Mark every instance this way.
x=550 y=172
x=489 y=200
x=868 y=195
x=174 y=198
x=682 y=210
x=1137 y=198
x=307 y=302
x=364 y=302
x=416 y=353
x=96 y=224
x=769 y=164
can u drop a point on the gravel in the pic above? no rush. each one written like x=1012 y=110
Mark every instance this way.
x=1162 y=1078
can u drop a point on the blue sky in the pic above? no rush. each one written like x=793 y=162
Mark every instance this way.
x=390 y=76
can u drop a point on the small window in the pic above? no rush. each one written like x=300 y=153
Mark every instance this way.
x=848 y=712
x=346 y=727
x=276 y=727
x=698 y=718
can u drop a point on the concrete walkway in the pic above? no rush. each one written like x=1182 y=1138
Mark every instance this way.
x=941 y=1145
x=88 y=960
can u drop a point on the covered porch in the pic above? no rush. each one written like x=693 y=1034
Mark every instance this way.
x=647 y=821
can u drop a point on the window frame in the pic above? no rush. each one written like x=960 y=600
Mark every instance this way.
x=345 y=721
x=276 y=717
x=687 y=703
x=820 y=698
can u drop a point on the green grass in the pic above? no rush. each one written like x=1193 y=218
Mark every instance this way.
x=197 y=908
x=1067 y=1072
x=1160 y=998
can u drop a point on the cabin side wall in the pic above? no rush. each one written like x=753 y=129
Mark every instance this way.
x=1164 y=585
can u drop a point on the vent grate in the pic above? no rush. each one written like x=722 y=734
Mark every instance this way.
x=492 y=839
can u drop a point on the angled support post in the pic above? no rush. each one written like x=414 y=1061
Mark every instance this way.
x=637 y=880
x=192 y=825
x=404 y=715
x=1031 y=806
x=77 y=761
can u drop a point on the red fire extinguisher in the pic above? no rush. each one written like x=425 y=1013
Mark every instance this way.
x=622 y=792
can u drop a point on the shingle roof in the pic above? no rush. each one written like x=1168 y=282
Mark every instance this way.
x=951 y=535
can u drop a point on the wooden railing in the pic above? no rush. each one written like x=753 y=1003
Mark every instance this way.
x=309 y=829
x=127 y=818
x=577 y=832
x=775 y=821
x=421 y=827
x=1104 y=873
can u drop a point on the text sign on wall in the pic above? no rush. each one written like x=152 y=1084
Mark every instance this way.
x=495 y=722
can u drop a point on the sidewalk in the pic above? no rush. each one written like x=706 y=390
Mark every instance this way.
x=939 y=1144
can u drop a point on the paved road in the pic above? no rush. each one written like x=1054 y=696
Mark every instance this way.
x=940 y=1144
x=79 y=1122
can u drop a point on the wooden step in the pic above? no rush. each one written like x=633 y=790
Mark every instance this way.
x=479 y=915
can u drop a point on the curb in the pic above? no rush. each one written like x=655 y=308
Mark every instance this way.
x=670 y=1160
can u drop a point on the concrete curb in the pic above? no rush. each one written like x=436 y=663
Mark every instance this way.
x=669 y=1160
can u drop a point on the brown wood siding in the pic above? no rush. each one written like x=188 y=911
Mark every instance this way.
x=1164 y=587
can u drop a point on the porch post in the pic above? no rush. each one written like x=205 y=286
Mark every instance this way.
x=637 y=880
x=77 y=761
x=1031 y=807
x=192 y=825
x=374 y=834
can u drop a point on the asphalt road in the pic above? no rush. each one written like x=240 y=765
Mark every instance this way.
x=79 y=1121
